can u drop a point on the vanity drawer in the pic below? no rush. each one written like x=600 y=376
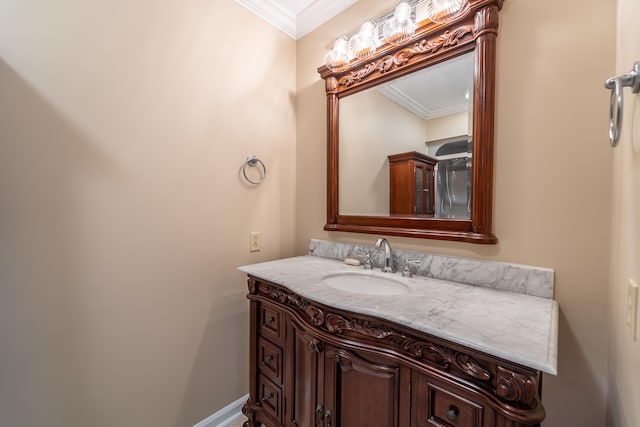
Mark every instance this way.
x=270 y=323
x=270 y=360
x=443 y=403
x=270 y=397
x=451 y=410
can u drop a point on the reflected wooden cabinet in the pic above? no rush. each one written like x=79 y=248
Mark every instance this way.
x=411 y=184
x=312 y=365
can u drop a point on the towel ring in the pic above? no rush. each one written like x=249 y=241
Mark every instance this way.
x=253 y=161
x=615 y=84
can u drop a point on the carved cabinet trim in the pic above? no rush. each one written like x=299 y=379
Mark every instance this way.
x=510 y=390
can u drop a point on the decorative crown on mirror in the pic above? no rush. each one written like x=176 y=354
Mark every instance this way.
x=393 y=28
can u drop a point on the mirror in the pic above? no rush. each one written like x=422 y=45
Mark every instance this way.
x=428 y=112
x=410 y=133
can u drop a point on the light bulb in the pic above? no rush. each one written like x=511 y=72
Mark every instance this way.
x=442 y=11
x=338 y=58
x=363 y=43
x=401 y=26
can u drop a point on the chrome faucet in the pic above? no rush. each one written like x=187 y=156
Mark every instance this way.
x=388 y=257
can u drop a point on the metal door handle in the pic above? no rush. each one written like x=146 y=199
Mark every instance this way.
x=615 y=84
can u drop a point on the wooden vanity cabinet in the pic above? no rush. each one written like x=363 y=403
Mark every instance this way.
x=314 y=365
x=411 y=184
x=364 y=389
x=302 y=372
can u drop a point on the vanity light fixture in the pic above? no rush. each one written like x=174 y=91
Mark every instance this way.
x=442 y=11
x=338 y=58
x=363 y=43
x=401 y=25
x=394 y=28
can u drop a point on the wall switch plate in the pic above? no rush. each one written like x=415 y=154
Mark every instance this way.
x=255 y=241
x=632 y=308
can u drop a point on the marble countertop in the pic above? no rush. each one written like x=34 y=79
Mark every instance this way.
x=513 y=326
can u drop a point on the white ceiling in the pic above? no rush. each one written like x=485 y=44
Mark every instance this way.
x=436 y=91
x=296 y=18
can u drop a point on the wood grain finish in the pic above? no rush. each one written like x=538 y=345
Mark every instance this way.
x=345 y=369
x=475 y=30
x=411 y=184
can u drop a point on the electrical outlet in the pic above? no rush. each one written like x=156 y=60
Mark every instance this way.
x=255 y=241
x=632 y=308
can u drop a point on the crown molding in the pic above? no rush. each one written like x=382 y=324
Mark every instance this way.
x=296 y=26
x=273 y=13
x=421 y=111
x=319 y=12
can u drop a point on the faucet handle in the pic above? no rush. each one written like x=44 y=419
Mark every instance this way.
x=368 y=265
x=406 y=271
x=381 y=242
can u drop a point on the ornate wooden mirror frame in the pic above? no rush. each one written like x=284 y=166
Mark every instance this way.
x=474 y=30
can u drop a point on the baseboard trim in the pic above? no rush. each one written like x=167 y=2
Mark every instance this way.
x=226 y=415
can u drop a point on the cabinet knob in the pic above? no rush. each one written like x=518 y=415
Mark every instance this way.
x=267 y=359
x=269 y=321
x=327 y=418
x=318 y=414
x=267 y=397
x=452 y=414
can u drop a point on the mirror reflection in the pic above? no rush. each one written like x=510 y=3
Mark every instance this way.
x=405 y=146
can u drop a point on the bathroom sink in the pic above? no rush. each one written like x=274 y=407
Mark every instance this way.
x=367 y=284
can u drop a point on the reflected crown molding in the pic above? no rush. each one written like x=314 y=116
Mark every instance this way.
x=407 y=101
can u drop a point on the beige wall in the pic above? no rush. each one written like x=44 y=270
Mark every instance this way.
x=123 y=218
x=123 y=125
x=553 y=171
x=364 y=168
x=624 y=364
x=447 y=126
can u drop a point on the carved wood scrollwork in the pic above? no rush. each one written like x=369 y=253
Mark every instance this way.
x=345 y=363
x=252 y=284
x=508 y=385
x=248 y=410
x=445 y=357
x=486 y=20
x=440 y=355
x=338 y=324
x=516 y=387
x=331 y=85
x=403 y=57
x=313 y=344
x=314 y=314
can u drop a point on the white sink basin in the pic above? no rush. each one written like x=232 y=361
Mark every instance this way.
x=365 y=284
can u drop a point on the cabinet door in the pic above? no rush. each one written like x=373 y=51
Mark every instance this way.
x=401 y=188
x=364 y=390
x=302 y=354
x=420 y=197
x=423 y=189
